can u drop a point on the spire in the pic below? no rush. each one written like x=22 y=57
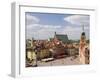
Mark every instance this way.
x=83 y=28
x=83 y=33
x=55 y=33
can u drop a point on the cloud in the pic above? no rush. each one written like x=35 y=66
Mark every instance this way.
x=74 y=32
x=47 y=31
x=37 y=30
x=44 y=31
x=43 y=26
x=31 y=19
x=40 y=31
x=74 y=29
x=51 y=26
x=78 y=19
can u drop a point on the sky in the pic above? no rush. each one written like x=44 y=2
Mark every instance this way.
x=44 y=25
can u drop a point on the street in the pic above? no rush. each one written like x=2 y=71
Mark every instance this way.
x=60 y=62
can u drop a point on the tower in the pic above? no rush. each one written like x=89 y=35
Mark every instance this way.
x=82 y=46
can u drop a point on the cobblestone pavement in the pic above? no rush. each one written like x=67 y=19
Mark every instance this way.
x=61 y=62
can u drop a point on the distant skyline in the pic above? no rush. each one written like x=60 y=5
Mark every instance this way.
x=44 y=25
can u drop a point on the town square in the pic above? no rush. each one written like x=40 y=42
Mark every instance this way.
x=57 y=39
